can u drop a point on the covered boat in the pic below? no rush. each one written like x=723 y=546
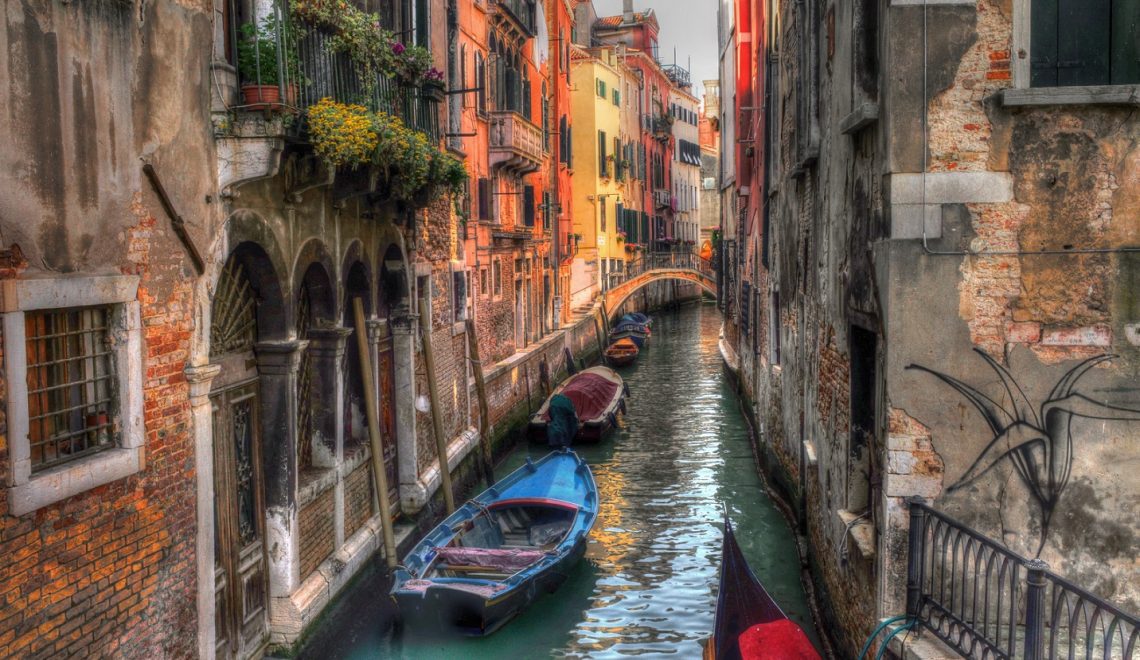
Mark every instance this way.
x=749 y=624
x=491 y=558
x=638 y=317
x=595 y=394
x=622 y=352
x=638 y=332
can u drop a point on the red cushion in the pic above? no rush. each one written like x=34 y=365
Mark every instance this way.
x=778 y=640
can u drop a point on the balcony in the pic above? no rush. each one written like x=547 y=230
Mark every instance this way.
x=662 y=199
x=661 y=127
x=519 y=13
x=516 y=144
x=301 y=71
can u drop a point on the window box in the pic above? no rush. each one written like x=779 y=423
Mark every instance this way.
x=73 y=363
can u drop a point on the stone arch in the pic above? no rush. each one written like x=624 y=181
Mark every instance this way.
x=314 y=273
x=393 y=286
x=626 y=290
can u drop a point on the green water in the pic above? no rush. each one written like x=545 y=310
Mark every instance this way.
x=648 y=583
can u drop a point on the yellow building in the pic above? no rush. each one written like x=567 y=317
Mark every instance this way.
x=601 y=168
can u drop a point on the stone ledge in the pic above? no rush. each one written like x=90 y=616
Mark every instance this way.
x=862 y=117
x=860 y=531
x=919 y=644
x=1079 y=95
x=950 y=187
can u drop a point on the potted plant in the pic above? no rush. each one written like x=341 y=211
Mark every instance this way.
x=259 y=65
x=432 y=87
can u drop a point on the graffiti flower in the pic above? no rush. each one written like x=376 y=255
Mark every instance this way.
x=1038 y=442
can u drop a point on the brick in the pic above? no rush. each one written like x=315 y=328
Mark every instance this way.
x=1023 y=333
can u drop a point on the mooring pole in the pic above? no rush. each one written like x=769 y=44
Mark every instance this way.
x=436 y=420
x=484 y=408
x=380 y=475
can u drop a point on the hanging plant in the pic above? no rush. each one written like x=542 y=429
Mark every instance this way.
x=414 y=169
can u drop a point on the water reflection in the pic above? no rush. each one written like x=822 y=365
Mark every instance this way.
x=648 y=583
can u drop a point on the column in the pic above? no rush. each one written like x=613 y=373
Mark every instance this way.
x=277 y=364
x=404 y=326
x=327 y=346
x=202 y=426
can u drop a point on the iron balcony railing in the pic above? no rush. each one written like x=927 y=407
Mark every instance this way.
x=307 y=70
x=987 y=602
x=522 y=11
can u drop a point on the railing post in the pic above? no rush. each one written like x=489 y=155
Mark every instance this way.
x=914 y=556
x=1035 y=609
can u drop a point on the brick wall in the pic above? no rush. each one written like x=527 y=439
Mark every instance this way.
x=357 y=498
x=315 y=529
x=111 y=571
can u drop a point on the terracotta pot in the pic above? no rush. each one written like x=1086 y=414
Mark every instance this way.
x=260 y=97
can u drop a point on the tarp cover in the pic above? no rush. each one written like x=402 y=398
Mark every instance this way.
x=561 y=421
x=591 y=395
x=506 y=560
x=778 y=640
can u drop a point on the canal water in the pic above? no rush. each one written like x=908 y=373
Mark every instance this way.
x=648 y=583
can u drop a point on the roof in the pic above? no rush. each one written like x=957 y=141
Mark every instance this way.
x=609 y=22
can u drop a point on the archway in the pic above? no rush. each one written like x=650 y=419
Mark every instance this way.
x=248 y=309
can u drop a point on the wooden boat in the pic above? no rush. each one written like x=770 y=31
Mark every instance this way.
x=637 y=332
x=638 y=317
x=597 y=395
x=491 y=558
x=749 y=624
x=622 y=352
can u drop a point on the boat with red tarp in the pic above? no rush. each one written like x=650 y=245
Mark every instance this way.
x=749 y=624
x=597 y=395
x=622 y=352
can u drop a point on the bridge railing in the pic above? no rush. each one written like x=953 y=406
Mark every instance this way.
x=988 y=602
x=663 y=260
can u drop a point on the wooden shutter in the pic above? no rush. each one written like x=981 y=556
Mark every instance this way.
x=528 y=206
x=1070 y=42
x=601 y=153
x=485 y=205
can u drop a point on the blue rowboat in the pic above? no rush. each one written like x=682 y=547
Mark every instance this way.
x=491 y=558
x=638 y=317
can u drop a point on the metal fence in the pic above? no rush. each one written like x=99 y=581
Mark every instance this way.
x=305 y=70
x=987 y=602
x=659 y=260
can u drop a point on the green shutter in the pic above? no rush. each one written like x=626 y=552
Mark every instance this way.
x=1125 y=55
x=601 y=153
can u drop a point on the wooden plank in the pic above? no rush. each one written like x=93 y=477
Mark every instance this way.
x=484 y=408
x=378 y=471
x=436 y=420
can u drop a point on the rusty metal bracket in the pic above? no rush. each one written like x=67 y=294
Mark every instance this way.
x=176 y=220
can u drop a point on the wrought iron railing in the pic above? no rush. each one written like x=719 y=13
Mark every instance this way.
x=308 y=70
x=987 y=602
x=665 y=260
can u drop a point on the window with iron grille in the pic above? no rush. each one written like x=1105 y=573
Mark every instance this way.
x=71 y=385
x=73 y=364
x=497 y=276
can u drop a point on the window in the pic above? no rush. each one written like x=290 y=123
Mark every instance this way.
x=528 y=206
x=602 y=169
x=497 y=276
x=601 y=88
x=1084 y=42
x=545 y=119
x=774 y=328
x=463 y=75
x=486 y=201
x=480 y=84
x=603 y=207
x=617 y=155
x=459 y=296
x=483 y=281
x=75 y=418
x=617 y=97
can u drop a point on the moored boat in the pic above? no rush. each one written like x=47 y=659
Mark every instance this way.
x=595 y=394
x=637 y=332
x=494 y=555
x=638 y=317
x=621 y=352
x=749 y=623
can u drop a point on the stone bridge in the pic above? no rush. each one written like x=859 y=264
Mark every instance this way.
x=658 y=268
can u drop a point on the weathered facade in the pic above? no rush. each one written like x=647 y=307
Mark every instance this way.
x=97 y=514
x=937 y=264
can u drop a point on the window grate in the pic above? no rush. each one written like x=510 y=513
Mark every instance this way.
x=71 y=384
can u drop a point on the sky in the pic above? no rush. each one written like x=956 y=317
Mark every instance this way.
x=687 y=25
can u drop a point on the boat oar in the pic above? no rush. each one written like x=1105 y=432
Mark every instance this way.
x=379 y=473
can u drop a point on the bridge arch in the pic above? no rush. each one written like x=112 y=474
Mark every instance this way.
x=620 y=294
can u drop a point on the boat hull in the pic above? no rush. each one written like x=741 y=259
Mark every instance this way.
x=498 y=552
x=475 y=616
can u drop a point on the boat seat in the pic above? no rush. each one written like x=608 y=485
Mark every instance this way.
x=507 y=559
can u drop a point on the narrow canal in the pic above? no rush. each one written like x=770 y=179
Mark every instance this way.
x=648 y=583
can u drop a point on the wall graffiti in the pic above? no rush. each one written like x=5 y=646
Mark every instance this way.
x=1039 y=441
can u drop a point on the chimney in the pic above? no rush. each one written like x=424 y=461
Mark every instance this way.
x=627 y=12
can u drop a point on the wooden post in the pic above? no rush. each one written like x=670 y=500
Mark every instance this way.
x=605 y=318
x=436 y=421
x=601 y=341
x=484 y=409
x=378 y=472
